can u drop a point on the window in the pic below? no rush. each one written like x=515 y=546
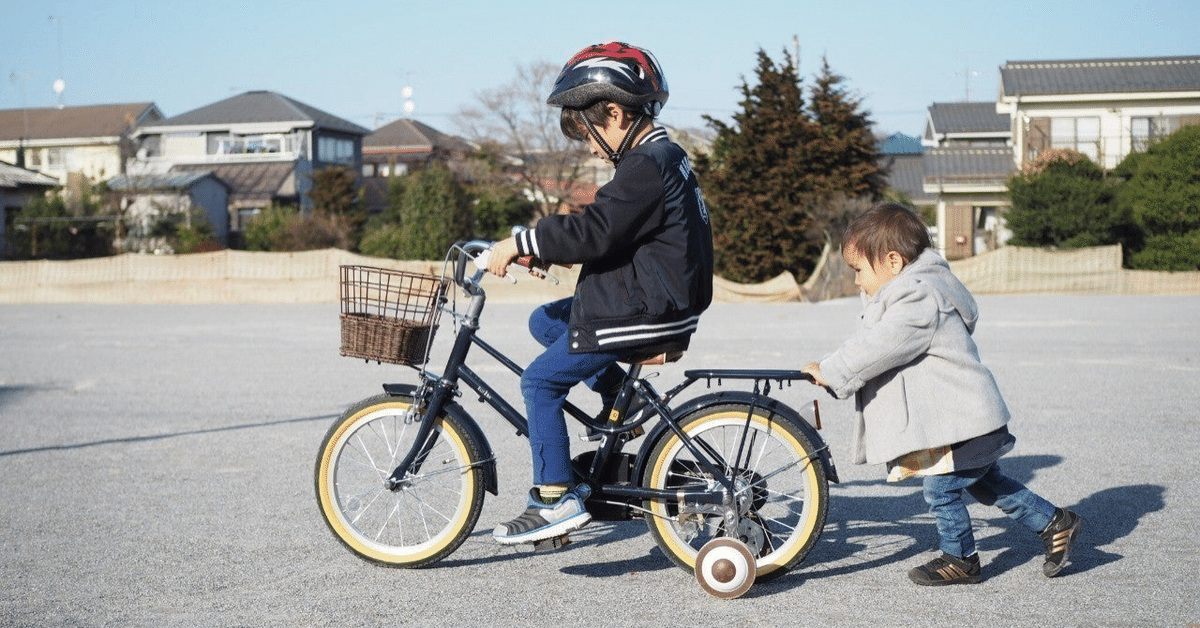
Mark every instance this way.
x=1079 y=134
x=228 y=144
x=1148 y=130
x=59 y=158
x=335 y=150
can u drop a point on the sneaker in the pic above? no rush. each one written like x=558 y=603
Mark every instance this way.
x=947 y=569
x=1059 y=536
x=542 y=521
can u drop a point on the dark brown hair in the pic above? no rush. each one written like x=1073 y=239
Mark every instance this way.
x=884 y=228
x=572 y=124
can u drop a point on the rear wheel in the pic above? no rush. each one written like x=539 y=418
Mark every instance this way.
x=782 y=497
x=434 y=510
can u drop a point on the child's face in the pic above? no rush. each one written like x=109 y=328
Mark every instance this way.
x=870 y=278
x=613 y=131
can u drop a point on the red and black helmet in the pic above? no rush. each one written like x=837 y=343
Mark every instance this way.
x=624 y=74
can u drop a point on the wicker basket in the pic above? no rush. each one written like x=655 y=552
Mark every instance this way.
x=389 y=315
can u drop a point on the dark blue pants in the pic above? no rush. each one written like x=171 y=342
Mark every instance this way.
x=990 y=487
x=545 y=385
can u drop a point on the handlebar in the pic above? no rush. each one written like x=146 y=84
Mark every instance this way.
x=469 y=251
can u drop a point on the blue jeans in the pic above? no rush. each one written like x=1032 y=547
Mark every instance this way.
x=990 y=487
x=545 y=385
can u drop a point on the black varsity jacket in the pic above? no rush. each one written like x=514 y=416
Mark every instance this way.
x=645 y=246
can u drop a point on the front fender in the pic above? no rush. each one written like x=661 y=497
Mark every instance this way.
x=803 y=420
x=490 y=479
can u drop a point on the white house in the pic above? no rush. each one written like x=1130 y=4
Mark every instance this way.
x=1103 y=108
x=75 y=145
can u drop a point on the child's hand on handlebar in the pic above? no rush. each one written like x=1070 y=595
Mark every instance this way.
x=501 y=255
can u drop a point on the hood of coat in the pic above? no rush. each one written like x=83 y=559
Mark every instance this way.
x=933 y=269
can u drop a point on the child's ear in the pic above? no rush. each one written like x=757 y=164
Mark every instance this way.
x=894 y=261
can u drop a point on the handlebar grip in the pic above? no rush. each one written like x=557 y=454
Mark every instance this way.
x=529 y=261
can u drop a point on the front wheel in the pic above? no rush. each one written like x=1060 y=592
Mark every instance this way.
x=782 y=493
x=434 y=510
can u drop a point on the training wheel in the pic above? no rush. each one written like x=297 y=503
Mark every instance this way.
x=725 y=568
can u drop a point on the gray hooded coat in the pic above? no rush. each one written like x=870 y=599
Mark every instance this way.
x=914 y=368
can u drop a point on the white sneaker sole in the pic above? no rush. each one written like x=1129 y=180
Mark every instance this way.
x=548 y=532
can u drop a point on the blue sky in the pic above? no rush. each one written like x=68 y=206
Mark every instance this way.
x=354 y=58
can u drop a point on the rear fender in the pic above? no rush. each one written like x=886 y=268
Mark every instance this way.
x=490 y=478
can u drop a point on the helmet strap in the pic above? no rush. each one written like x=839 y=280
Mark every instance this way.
x=615 y=156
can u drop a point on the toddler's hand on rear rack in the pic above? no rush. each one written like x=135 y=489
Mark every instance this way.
x=813 y=369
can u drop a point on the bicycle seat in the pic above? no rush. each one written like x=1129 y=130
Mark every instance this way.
x=657 y=359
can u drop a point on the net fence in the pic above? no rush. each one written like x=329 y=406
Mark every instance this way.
x=312 y=277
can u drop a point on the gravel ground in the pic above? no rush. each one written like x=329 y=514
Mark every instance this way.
x=158 y=472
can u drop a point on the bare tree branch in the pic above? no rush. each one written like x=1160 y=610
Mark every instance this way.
x=514 y=121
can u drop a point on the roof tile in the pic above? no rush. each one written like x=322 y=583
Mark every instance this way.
x=1098 y=76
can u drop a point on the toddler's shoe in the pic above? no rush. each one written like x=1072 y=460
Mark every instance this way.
x=1058 y=537
x=947 y=569
x=542 y=521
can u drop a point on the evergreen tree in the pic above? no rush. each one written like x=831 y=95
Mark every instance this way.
x=333 y=192
x=427 y=212
x=51 y=227
x=753 y=180
x=778 y=180
x=1162 y=193
x=844 y=155
x=1063 y=200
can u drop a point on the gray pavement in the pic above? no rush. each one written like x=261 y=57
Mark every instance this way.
x=157 y=465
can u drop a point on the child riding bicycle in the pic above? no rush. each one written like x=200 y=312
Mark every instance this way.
x=645 y=246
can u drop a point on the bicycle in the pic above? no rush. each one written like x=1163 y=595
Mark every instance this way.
x=733 y=484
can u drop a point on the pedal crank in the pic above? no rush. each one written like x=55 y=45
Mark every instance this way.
x=549 y=545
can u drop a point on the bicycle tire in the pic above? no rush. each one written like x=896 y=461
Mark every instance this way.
x=416 y=525
x=785 y=496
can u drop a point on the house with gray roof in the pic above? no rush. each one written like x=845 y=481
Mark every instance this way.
x=394 y=149
x=265 y=146
x=148 y=199
x=1103 y=108
x=965 y=170
x=965 y=124
x=902 y=158
x=18 y=186
x=75 y=145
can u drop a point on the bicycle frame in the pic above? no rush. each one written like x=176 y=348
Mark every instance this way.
x=436 y=393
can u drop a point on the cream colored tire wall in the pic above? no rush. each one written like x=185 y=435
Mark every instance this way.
x=783 y=473
x=416 y=525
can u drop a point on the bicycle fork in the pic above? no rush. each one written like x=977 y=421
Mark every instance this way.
x=426 y=438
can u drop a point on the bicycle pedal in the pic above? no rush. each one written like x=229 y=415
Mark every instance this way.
x=549 y=545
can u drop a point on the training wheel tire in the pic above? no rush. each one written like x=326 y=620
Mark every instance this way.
x=725 y=568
